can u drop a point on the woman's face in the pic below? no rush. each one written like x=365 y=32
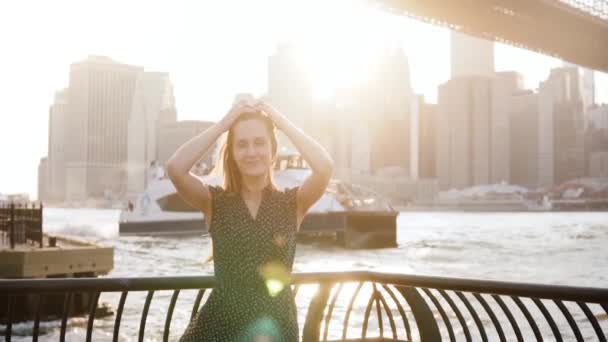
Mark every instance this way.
x=252 y=148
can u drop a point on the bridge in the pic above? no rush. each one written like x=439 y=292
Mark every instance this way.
x=572 y=30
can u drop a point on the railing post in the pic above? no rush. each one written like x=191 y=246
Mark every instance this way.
x=27 y=219
x=39 y=224
x=12 y=226
x=312 y=325
x=425 y=320
x=25 y=222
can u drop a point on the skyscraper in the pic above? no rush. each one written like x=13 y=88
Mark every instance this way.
x=58 y=145
x=586 y=79
x=463 y=132
x=524 y=141
x=504 y=85
x=546 y=144
x=588 y=88
x=423 y=140
x=382 y=104
x=561 y=137
x=152 y=96
x=173 y=135
x=100 y=96
x=43 y=179
x=473 y=129
x=387 y=99
x=289 y=90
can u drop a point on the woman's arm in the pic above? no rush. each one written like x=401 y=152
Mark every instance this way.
x=315 y=155
x=189 y=186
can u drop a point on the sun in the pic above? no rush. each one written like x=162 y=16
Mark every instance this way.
x=342 y=43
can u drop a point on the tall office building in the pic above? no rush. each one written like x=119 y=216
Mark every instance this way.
x=596 y=139
x=473 y=129
x=504 y=85
x=524 y=141
x=341 y=118
x=586 y=78
x=598 y=164
x=382 y=104
x=289 y=90
x=43 y=179
x=561 y=136
x=471 y=56
x=463 y=130
x=386 y=99
x=153 y=96
x=598 y=117
x=546 y=145
x=57 y=146
x=173 y=135
x=588 y=88
x=423 y=140
x=100 y=96
x=361 y=148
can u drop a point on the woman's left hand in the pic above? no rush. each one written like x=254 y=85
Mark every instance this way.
x=276 y=116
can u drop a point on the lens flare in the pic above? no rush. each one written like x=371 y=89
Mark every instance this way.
x=262 y=330
x=276 y=277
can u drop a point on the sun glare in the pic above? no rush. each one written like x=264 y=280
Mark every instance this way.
x=341 y=45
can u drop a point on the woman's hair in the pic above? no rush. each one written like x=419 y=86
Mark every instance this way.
x=232 y=175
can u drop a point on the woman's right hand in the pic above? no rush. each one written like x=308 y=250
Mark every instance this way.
x=240 y=107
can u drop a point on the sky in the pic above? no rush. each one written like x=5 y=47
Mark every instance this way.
x=212 y=50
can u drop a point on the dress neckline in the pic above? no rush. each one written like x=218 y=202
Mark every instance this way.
x=267 y=189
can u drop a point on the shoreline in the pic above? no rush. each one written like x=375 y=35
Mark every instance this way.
x=489 y=208
x=480 y=208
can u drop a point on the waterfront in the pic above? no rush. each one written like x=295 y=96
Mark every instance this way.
x=550 y=248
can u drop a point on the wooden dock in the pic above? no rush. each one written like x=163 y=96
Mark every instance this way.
x=26 y=252
x=59 y=256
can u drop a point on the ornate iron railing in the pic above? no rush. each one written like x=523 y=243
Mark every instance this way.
x=350 y=306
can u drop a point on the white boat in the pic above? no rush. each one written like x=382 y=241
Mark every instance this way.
x=345 y=210
x=543 y=204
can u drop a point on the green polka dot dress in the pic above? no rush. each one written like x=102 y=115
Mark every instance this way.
x=253 y=258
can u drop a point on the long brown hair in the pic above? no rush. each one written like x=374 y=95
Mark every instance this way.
x=233 y=180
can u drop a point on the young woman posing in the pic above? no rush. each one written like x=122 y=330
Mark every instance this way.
x=252 y=224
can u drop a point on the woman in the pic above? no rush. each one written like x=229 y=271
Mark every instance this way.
x=252 y=224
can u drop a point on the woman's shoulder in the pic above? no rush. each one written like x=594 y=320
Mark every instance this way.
x=219 y=193
x=289 y=194
x=290 y=191
x=281 y=192
x=215 y=189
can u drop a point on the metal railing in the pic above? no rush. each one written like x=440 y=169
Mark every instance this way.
x=19 y=223
x=381 y=307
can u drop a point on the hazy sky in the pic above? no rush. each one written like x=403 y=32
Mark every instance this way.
x=212 y=50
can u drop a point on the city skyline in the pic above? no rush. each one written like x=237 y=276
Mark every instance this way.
x=33 y=73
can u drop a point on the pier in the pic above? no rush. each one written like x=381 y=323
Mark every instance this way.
x=26 y=252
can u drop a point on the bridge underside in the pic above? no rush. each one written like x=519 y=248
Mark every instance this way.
x=546 y=26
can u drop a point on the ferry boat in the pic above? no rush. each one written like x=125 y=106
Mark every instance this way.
x=355 y=216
